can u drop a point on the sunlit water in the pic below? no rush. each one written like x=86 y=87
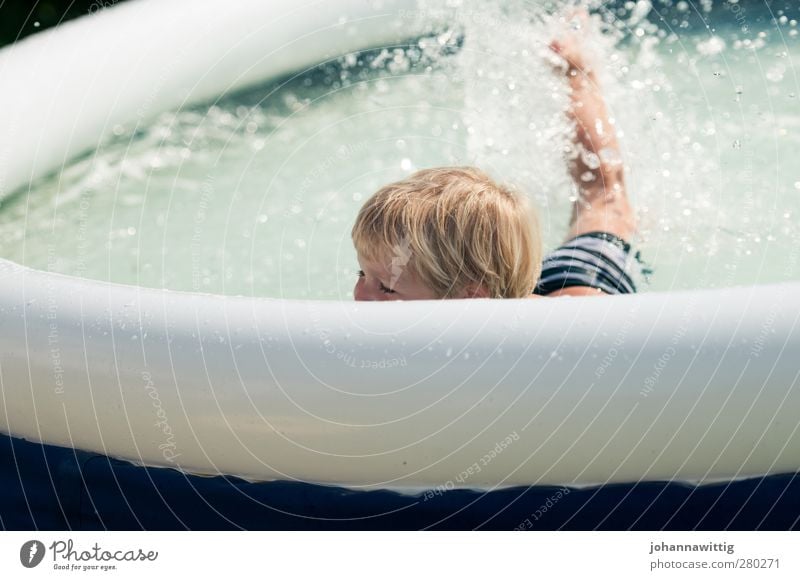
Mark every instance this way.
x=256 y=193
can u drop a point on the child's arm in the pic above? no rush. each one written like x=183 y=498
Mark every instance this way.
x=598 y=169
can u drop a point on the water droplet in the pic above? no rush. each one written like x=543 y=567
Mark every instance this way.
x=590 y=159
x=712 y=46
x=775 y=73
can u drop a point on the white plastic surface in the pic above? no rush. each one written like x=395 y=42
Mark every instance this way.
x=690 y=385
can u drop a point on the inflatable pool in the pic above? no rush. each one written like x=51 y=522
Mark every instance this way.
x=694 y=386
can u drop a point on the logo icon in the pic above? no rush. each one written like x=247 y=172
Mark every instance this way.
x=31 y=553
x=402 y=254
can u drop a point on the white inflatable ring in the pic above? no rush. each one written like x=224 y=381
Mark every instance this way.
x=477 y=393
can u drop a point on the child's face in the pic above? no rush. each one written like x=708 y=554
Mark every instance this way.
x=383 y=281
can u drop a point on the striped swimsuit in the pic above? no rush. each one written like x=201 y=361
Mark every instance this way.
x=596 y=259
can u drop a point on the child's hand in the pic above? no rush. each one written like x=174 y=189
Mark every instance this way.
x=569 y=45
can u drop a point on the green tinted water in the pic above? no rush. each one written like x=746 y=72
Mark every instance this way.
x=256 y=193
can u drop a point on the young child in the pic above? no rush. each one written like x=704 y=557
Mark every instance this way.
x=452 y=232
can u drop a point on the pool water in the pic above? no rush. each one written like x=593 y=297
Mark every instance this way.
x=255 y=194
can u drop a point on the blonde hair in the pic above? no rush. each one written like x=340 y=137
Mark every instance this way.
x=453 y=227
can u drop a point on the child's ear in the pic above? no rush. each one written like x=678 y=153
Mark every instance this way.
x=476 y=291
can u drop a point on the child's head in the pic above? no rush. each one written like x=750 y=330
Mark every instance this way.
x=447 y=232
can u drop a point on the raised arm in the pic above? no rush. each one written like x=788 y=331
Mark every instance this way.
x=597 y=170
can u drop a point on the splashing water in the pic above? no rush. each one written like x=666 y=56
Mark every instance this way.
x=256 y=193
